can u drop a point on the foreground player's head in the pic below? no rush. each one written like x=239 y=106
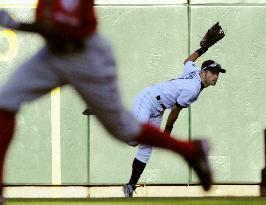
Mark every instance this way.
x=210 y=72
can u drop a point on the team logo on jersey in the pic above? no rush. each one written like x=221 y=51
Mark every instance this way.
x=70 y=5
x=189 y=75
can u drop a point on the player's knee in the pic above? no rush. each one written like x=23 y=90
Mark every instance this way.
x=10 y=102
x=127 y=129
x=143 y=157
x=11 y=107
x=128 y=136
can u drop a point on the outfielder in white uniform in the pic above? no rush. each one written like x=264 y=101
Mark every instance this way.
x=76 y=54
x=174 y=94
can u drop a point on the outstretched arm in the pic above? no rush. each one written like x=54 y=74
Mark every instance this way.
x=45 y=29
x=193 y=57
x=212 y=36
x=35 y=27
x=8 y=22
x=172 y=117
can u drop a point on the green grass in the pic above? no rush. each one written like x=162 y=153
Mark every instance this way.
x=144 y=201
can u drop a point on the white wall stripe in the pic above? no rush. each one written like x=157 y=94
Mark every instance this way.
x=33 y=3
x=146 y=2
x=18 y=3
x=147 y=191
x=14 y=2
x=56 y=144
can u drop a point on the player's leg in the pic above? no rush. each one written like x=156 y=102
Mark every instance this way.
x=143 y=155
x=194 y=152
x=93 y=75
x=94 y=78
x=30 y=81
x=138 y=166
x=141 y=109
x=7 y=127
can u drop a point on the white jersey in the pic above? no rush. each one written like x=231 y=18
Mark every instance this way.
x=150 y=104
x=181 y=91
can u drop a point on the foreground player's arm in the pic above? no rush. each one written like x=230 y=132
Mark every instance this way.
x=172 y=117
x=35 y=27
x=8 y=22
x=45 y=29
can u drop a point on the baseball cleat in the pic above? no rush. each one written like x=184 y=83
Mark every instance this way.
x=128 y=190
x=200 y=163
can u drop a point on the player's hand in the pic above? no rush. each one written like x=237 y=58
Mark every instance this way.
x=7 y=21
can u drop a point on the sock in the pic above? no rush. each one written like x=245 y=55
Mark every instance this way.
x=7 y=126
x=152 y=136
x=137 y=169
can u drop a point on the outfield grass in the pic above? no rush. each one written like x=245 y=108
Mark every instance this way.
x=144 y=201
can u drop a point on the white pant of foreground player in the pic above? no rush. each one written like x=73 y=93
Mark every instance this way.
x=92 y=73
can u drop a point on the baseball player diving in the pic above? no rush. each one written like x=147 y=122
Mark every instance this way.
x=175 y=94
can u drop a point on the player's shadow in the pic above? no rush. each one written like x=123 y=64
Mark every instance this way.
x=88 y=111
x=263 y=190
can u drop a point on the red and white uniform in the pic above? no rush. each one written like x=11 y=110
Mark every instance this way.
x=92 y=71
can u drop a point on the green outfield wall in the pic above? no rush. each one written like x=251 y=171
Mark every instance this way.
x=56 y=145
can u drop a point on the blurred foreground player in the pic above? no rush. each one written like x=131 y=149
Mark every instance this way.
x=76 y=54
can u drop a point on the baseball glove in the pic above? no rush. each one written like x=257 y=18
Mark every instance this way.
x=213 y=35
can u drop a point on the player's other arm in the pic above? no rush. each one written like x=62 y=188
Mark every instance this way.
x=172 y=117
x=7 y=21
x=186 y=97
x=40 y=28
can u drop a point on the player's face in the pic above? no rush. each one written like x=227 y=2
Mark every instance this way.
x=211 y=77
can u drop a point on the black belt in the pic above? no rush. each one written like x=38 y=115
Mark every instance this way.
x=158 y=97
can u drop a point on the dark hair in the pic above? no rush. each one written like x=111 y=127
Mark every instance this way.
x=210 y=65
x=206 y=63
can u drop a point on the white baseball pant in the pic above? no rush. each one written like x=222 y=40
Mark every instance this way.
x=91 y=72
x=144 y=109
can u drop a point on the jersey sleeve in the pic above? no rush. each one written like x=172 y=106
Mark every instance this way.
x=190 y=66
x=185 y=98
